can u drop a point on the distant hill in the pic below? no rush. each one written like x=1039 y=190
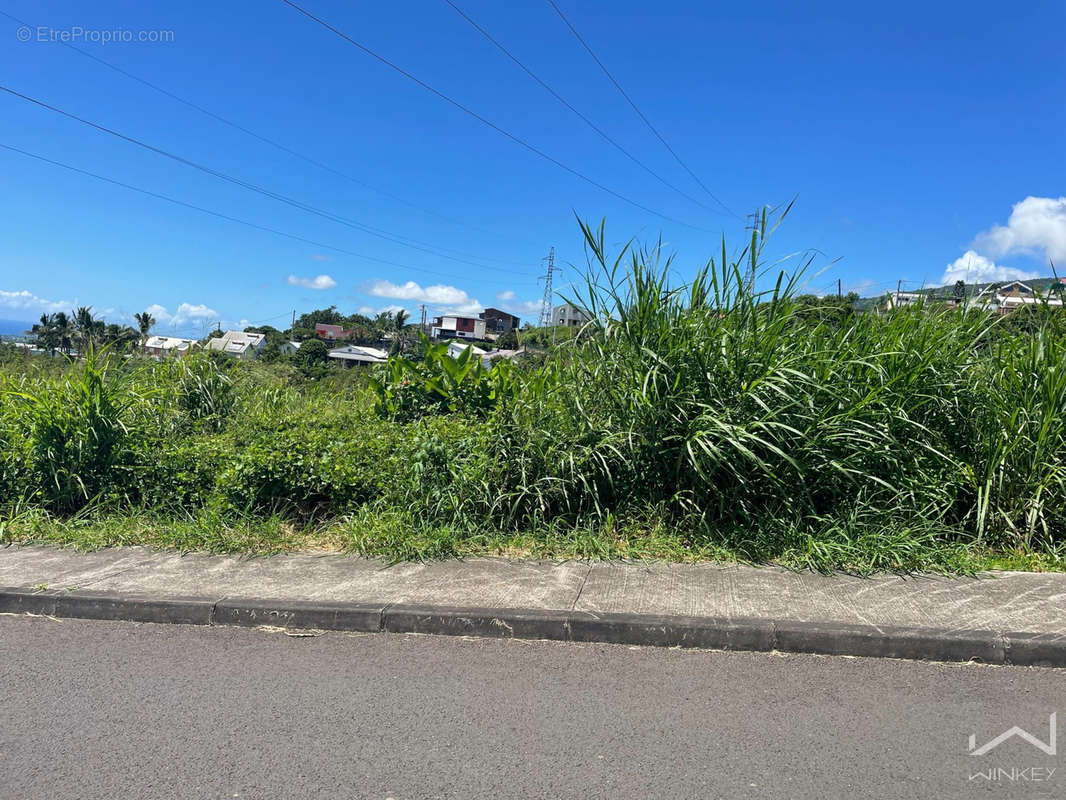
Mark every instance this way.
x=14 y=327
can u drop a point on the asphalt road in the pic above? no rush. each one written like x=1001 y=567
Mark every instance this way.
x=125 y=710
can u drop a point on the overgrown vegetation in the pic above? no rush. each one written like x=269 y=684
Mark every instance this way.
x=707 y=420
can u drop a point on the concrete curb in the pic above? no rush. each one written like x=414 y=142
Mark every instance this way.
x=829 y=638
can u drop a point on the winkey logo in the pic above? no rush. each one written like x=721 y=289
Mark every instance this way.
x=1050 y=747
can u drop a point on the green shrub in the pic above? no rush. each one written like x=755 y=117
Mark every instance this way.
x=77 y=427
x=408 y=389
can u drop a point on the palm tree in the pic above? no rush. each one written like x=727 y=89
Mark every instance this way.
x=87 y=327
x=45 y=331
x=64 y=331
x=145 y=321
x=399 y=338
x=382 y=324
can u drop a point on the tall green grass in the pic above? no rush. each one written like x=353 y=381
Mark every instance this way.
x=745 y=418
x=720 y=417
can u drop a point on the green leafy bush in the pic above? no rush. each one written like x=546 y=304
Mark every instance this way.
x=407 y=389
x=76 y=428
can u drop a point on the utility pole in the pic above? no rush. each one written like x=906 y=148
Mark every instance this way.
x=293 y=319
x=899 y=287
x=546 y=304
x=422 y=324
x=840 y=292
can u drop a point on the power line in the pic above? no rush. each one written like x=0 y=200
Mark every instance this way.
x=295 y=153
x=351 y=223
x=517 y=140
x=640 y=114
x=220 y=215
x=581 y=116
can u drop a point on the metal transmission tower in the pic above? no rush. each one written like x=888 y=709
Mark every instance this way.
x=546 y=304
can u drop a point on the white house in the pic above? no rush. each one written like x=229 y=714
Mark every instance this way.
x=903 y=299
x=288 y=348
x=1005 y=297
x=165 y=346
x=453 y=326
x=358 y=355
x=455 y=349
x=567 y=314
x=239 y=344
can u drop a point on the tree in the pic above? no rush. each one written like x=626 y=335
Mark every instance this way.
x=145 y=321
x=325 y=316
x=45 y=333
x=87 y=327
x=313 y=351
x=959 y=291
x=64 y=330
x=274 y=340
x=121 y=337
x=399 y=337
x=53 y=332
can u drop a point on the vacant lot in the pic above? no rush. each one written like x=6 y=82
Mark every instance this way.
x=707 y=421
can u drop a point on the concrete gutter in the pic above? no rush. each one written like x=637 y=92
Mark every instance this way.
x=1023 y=649
x=1014 y=618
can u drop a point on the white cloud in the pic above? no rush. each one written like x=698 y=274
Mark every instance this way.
x=159 y=312
x=527 y=307
x=317 y=282
x=370 y=311
x=972 y=267
x=439 y=296
x=509 y=301
x=1035 y=224
x=23 y=300
x=186 y=312
x=320 y=257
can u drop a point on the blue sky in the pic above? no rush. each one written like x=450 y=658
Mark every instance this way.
x=923 y=140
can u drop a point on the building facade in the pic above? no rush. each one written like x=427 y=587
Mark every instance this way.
x=497 y=321
x=452 y=326
x=569 y=315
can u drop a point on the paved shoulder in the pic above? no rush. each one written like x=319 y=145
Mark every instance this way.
x=116 y=709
